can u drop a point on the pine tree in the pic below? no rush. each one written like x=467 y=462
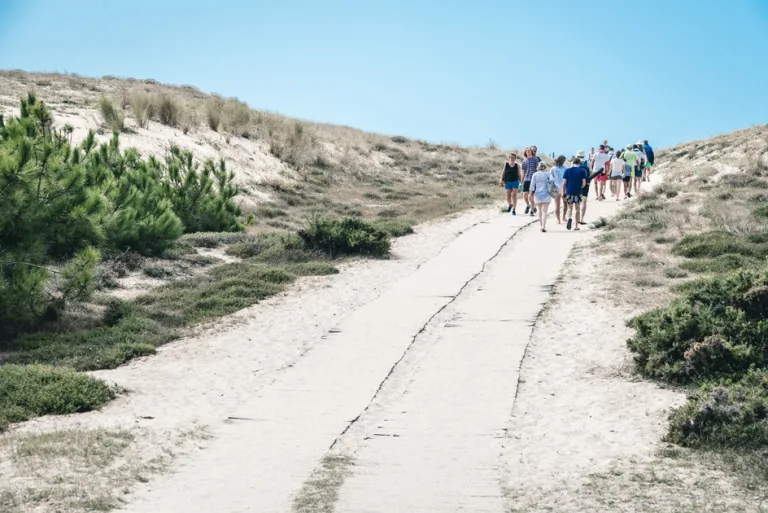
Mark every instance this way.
x=62 y=206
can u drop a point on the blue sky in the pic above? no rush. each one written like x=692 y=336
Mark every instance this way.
x=561 y=74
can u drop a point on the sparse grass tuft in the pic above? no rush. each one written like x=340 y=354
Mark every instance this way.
x=111 y=115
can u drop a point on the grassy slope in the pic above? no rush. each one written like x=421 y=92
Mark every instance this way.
x=288 y=169
x=705 y=221
x=292 y=167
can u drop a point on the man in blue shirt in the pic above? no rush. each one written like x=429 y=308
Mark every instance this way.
x=574 y=179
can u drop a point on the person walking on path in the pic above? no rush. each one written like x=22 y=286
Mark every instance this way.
x=591 y=157
x=599 y=170
x=630 y=157
x=556 y=175
x=640 y=164
x=540 y=194
x=649 y=158
x=510 y=179
x=530 y=164
x=617 y=173
x=574 y=182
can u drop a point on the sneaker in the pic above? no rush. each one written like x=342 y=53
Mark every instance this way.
x=509 y=209
x=533 y=213
x=568 y=226
x=514 y=213
x=535 y=210
x=582 y=222
x=527 y=208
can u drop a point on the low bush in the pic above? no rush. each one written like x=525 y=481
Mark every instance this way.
x=394 y=227
x=276 y=248
x=724 y=416
x=720 y=264
x=716 y=243
x=347 y=236
x=717 y=328
x=761 y=211
x=32 y=390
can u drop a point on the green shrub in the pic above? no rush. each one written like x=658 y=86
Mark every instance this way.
x=716 y=243
x=724 y=416
x=112 y=115
x=347 y=236
x=720 y=264
x=677 y=343
x=394 y=227
x=62 y=202
x=674 y=272
x=600 y=223
x=761 y=211
x=202 y=198
x=32 y=390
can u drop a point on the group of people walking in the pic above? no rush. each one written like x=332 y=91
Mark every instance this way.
x=569 y=187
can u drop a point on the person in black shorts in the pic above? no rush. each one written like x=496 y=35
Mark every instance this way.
x=510 y=179
x=530 y=164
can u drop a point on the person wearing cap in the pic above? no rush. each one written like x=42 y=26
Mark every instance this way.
x=540 y=193
x=630 y=157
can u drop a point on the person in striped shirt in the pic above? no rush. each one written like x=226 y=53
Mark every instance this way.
x=530 y=164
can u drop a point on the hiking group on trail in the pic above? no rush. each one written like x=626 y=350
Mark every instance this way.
x=624 y=170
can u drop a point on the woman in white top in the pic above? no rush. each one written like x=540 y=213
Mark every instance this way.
x=617 y=173
x=540 y=193
x=556 y=175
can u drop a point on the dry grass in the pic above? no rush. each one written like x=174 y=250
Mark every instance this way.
x=707 y=185
x=167 y=108
x=142 y=107
x=112 y=116
x=82 y=470
x=324 y=167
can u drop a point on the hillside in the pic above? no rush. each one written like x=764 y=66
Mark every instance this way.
x=287 y=168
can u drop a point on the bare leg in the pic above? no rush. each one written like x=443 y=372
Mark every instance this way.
x=583 y=209
x=514 y=199
x=508 y=194
x=557 y=209
x=579 y=217
x=543 y=210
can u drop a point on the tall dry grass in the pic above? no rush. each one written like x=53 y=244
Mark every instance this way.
x=111 y=115
x=142 y=107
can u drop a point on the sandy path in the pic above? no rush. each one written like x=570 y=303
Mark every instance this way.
x=398 y=366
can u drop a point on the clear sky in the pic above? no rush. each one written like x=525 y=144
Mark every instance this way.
x=561 y=74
